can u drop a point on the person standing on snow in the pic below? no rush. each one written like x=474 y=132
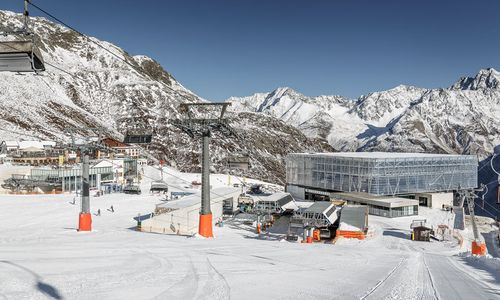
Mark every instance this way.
x=112 y=209
x=98 y=212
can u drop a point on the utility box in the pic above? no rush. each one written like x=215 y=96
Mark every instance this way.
x=421 y=233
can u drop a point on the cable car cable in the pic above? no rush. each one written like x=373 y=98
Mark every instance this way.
x=100 y=46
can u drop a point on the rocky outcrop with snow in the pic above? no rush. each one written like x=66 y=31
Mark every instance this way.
x=461 y=119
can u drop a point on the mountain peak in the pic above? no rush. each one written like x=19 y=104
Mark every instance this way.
x=283 y=91
x=485 y=79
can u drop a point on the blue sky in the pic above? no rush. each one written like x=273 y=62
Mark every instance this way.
x=235 y=48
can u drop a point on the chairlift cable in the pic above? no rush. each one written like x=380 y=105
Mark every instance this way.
x=19 y=133
x=170 y=174
x=21 y=55
x=90 y=83
x=99 y=45
x=496 y=209
x=145 y=176
x=486 y=164
x=82 y=34
x=116 y=165
x=492 y=166
x=494 y=217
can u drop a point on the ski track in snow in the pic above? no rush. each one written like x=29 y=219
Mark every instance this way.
x=454 y=283
x=41 y=252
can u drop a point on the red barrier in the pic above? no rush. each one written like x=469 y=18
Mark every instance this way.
x=351 y=234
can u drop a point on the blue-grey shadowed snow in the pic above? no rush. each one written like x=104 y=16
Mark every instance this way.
x=43 y=287
x=489 y=267
x=492 y=239
x=373 y=132
x=48 y=290
x=395 y=233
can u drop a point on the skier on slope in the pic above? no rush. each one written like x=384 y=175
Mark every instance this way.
x=112 y=209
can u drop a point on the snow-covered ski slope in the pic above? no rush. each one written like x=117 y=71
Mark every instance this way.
x=42 y=256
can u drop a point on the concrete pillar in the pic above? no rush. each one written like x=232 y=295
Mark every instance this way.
x=85 y=185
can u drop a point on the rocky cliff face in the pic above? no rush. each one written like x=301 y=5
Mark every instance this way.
x=87 y=86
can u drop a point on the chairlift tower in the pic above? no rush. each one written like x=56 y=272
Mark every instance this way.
x=199 y=120
x=85 y=217
x=478 y=246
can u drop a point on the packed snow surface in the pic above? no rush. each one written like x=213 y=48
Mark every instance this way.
x=348 y=227
x=42 y=256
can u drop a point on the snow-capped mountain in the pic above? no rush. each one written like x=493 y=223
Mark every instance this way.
x=460 y=119
x=315 y=116
x=86 y=85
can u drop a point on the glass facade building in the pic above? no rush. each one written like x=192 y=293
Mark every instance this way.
x=71 y=179
x=380 y=173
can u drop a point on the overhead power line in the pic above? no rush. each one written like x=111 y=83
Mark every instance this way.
x=135 y=68
x=82 y=34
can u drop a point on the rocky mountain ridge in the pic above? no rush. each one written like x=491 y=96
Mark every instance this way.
x=87 y=86
x=460 y=119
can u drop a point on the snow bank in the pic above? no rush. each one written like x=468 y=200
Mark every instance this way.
x=347 y=227
x=487 y=262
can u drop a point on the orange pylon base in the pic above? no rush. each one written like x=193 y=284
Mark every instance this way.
x=309 y=240
x=478 y=248
x=258 y=228
x=205 y=227
x=85 y=222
